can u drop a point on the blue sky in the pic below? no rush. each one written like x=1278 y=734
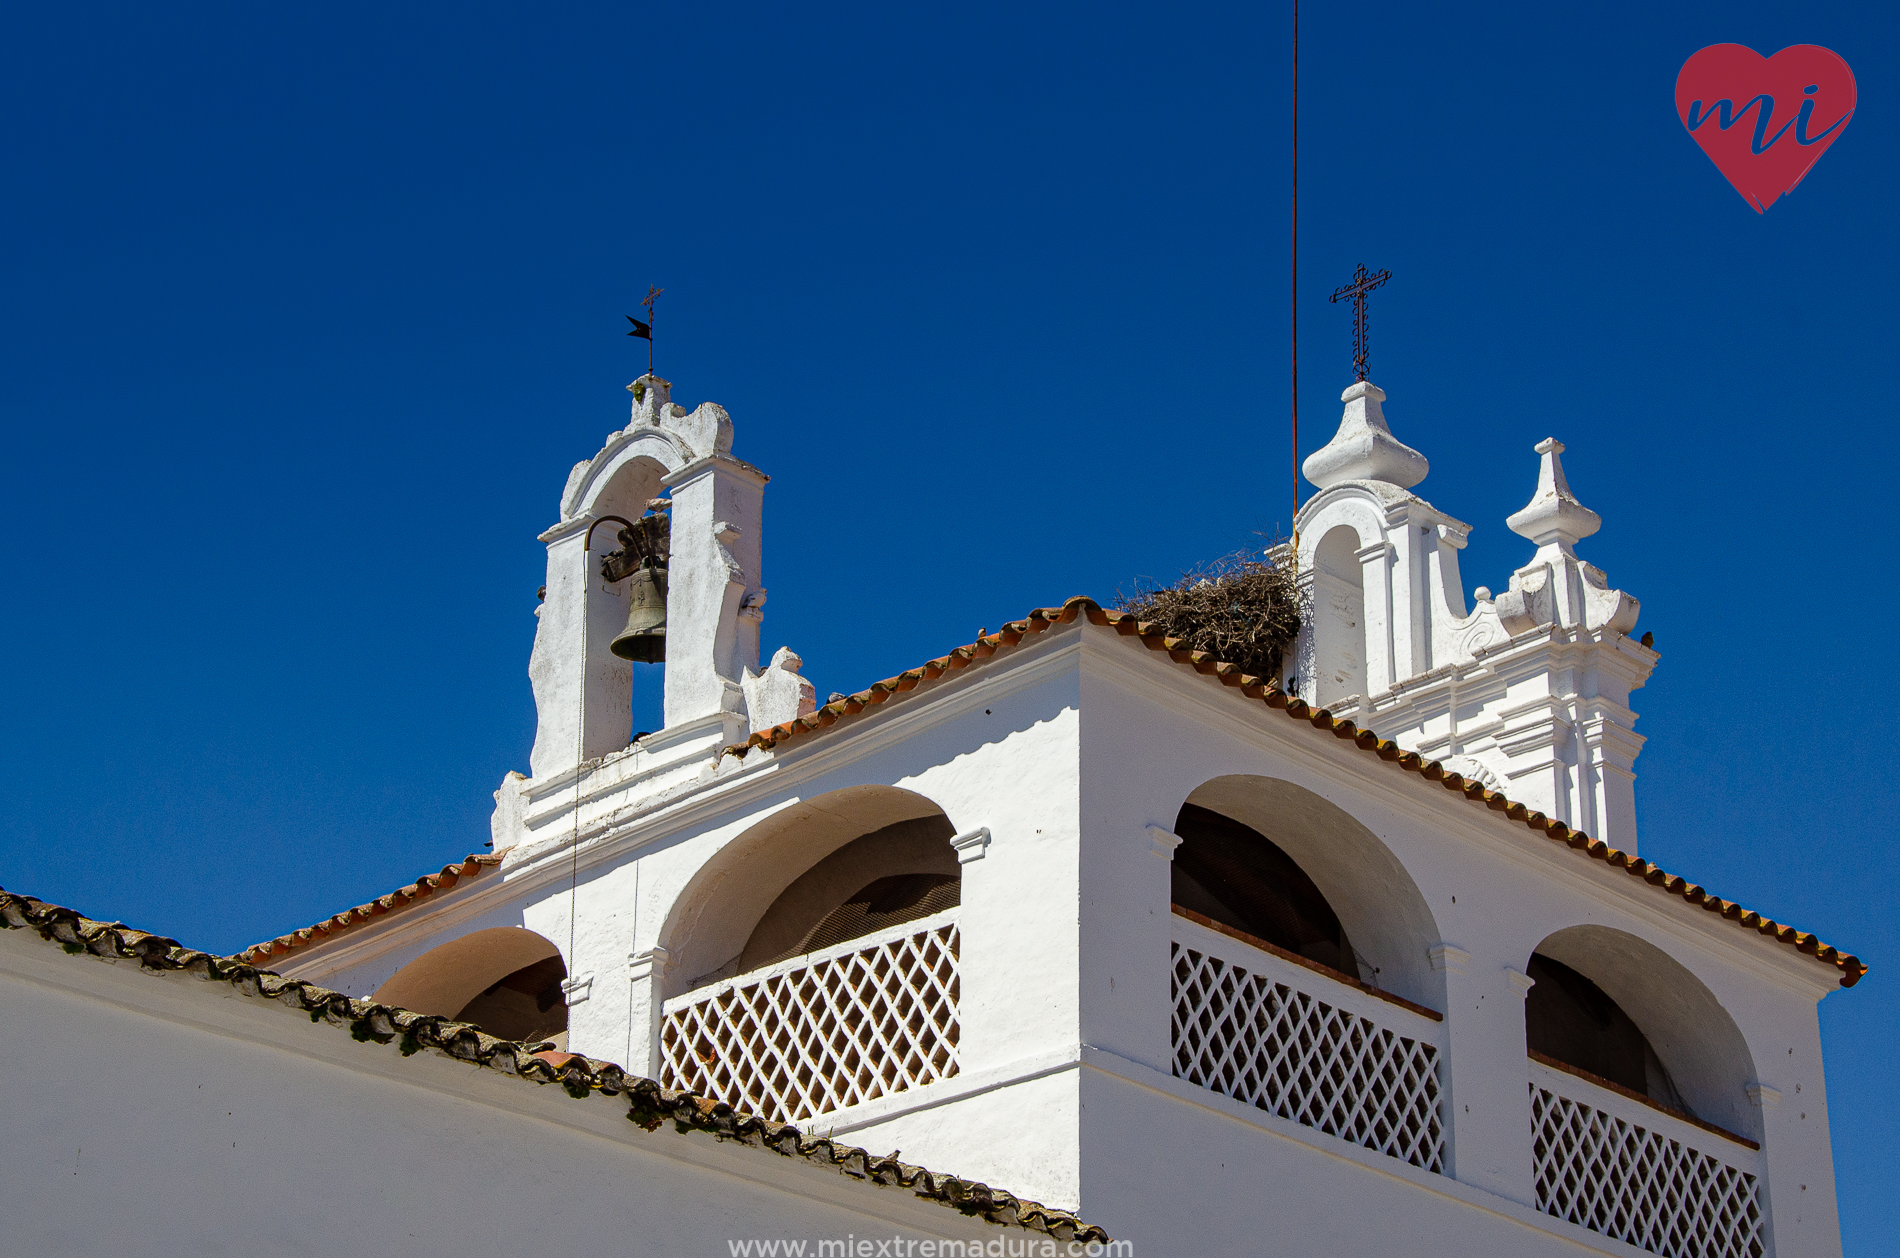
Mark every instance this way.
x=310 y=310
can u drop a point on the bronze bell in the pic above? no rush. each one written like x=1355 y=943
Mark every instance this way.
x=644 y=638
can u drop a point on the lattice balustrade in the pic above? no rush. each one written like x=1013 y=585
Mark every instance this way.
x=1653 y=1190
x=866 y=1019
x=1249 y=1028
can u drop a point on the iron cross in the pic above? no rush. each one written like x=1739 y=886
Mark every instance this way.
x=1362 y=283
x=645 y=329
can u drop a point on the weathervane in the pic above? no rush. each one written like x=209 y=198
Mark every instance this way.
x=1362 y=283
x=645 y=330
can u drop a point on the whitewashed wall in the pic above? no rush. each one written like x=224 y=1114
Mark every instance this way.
x=170 y=1116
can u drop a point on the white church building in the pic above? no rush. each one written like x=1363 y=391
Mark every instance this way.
x=1122 y=944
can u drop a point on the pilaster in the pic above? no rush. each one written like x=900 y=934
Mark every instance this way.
x=713 y=586
x=1487 y=1084
x=1384 y=618
x=646 y=975
x=582 y=691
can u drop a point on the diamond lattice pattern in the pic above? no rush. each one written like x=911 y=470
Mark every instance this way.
x=1260 y=1041
x=1619 y=1179
x=839 y=1031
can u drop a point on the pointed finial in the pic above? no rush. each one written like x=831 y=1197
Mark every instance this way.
x=1553 y=513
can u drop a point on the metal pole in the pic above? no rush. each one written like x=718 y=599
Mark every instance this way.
x=1295 y=282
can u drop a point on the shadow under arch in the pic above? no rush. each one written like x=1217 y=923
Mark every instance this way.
x=1704 y=1052
x=505 y=979
x=770 y=887
x=1376 y=901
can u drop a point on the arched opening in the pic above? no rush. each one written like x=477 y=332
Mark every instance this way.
x=900 y=873
x=1286 y=866
x=865 y=1004
x=625 y=491
x=1235 y=875
x=1626 y=1013
x=633 y=480
x=819 y=872
x=506 y=980
x=1339 y=618
x=1569 y=1018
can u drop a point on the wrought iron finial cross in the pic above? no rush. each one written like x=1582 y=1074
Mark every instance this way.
x=1362 y=283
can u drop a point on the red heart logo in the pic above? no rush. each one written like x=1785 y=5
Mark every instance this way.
x=1765 y=121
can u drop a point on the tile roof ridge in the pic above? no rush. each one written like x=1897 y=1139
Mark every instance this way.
x=649 y=1103
x=446 y=878
x=1267 y=690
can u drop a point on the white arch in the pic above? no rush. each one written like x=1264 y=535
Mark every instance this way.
x=625 y=474
x=1705 y=1052
x=1360 y=507
x=920 y=846
x=714 y=915
x=443 y=980
x=1378 y=903
x=1408 y=559
x=1344 y=645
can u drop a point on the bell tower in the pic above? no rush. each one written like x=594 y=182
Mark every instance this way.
x=677 y=463
x=1526 y=693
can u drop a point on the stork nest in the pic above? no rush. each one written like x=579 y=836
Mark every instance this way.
x=1242 y=608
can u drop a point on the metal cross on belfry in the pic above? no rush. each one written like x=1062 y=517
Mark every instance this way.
x=646 y=329
x=1362 y=283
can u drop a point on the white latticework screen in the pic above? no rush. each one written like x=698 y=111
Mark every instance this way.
x=1612 y=1176
x=837 y=1028
x=1263 y=1040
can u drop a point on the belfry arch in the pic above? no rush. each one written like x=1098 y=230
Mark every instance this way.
x=626 y=478
x=1307 y=864
x=818 y=872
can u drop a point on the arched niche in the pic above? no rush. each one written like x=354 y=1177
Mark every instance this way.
x=506 y=980
x=764 y=893
x=1374 y=899
x=1337 y=617
x=1706 y=1057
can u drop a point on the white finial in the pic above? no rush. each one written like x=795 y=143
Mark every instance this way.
x=1364 y=448
x=1554 y=514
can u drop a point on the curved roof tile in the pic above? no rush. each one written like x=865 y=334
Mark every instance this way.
x=401 y=898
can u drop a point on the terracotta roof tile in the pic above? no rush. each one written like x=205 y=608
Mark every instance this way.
x=1851 y=967
x=648 y=1104
x=402 y=897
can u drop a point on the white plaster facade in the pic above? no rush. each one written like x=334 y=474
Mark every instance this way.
x=1060 y=765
